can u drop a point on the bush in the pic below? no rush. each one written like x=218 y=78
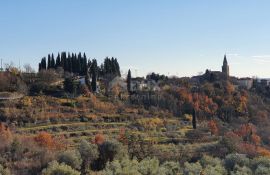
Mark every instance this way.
x=71 y=158
x=107 y=152
x=171 y=168
x=261 y=165
x=261 y=170
x=241 y=170
x=208 y=160
x=55 y=168
x=232 y=160
x=212 y=166
x=260 y=161
x=192 y=168
x=89 y=153
x=4 y=171
x=149 y=166
x=124 y=166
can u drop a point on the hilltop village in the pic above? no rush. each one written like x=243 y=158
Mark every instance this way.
x=76 y=116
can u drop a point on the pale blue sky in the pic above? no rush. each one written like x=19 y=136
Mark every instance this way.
x=175 y=37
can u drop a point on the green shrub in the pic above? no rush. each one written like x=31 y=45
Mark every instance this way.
x=262 y=170
x=192 y=168
x=212 y=166
x=238 y=170
x=54 y=168
x=124 y=166
x=232 y=160
x=89 y=153
x=170 y=168
x=260 y=161
x=208 y=160
x=71 y=158
x=149 y=166
x=4 y=171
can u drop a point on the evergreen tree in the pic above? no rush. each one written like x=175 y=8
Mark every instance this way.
x=71 y=86
x=129 y=81
x=43 y=63
x=94 y=75
x=69 y=63
x=79 y=63
x=64 y=60
x=101 y=70
x=111 y=66
x=52 y=62
x=117 y=67
x=58 y=61
x=84 y=65
x=194 y=119
x=73 y=63
x=39 y=67
x=49 y=61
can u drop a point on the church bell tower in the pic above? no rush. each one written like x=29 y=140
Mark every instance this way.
x=225 y=67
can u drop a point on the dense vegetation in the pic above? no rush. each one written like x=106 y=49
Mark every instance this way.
x=53 y=124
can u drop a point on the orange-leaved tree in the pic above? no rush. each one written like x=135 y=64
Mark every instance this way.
x=46 y=140
x=99 y=139
x=213 y=127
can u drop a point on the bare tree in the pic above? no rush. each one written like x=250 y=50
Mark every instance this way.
x=8 y=66
x=28 y=68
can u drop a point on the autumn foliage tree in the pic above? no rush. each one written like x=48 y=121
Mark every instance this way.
x=213 y=127
x=99 y=139
x=46 y=140
x=246 y=141
x=5 y=135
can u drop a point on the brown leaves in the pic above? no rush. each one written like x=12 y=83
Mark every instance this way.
x=99 y=139
x=46 y=140
x=5 y=133
x=213 y=127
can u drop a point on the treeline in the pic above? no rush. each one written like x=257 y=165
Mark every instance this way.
x=79 y=64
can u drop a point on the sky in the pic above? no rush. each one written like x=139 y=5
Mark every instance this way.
x=172 y=37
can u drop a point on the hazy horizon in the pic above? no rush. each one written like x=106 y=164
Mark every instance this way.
x=169 y=37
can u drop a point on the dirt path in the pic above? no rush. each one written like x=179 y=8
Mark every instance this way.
x=10 y=96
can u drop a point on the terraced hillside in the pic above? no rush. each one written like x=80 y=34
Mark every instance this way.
x=85 y=117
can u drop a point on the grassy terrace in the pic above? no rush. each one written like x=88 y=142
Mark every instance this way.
x=51 y=126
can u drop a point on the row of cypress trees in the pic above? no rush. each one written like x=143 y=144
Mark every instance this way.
x=73 y=63
x=79 y=64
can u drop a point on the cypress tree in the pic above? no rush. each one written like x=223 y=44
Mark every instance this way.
x=194 y=119
x=39 y=67
x=58 y=61
x=64 y=60
x=94 y=82
x=73 y=63
x=49 y=61
x=113 y=66
x=43 y=63
x=129 y=81
x=68 y=62
x=84 y=65
x=89 y=65
x=52 y=62
x=106 y=66
x=117 y=67
x=94 y=75
x=79 y=63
